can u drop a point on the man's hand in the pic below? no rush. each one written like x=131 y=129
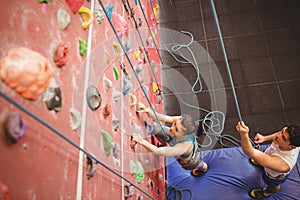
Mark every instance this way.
x=140 y=107
x=242 y=128
x=136 y=137
x=258 y=139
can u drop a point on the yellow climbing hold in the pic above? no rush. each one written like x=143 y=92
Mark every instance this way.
x=87 y=16
x=137 y=54
x=154 y=87
x=117 y=49
x=155 y=11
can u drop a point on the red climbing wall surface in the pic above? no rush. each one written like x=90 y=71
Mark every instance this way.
x=53 y=69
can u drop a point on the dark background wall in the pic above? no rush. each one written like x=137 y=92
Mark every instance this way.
x=262 y=44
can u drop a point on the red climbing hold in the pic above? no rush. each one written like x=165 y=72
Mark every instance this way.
x=4 y=192
x=75 y=5
x=60 y=57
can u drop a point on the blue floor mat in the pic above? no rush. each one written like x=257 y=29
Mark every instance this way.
x=230 y=177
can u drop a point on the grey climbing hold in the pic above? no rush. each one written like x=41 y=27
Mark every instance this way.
x=75 y=118
x=93 y=98
x=63 y=19
x=53 y=98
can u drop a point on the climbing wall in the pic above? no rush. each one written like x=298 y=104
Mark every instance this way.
x=68 y=96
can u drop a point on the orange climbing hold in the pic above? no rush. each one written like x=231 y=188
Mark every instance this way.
x=26 y=71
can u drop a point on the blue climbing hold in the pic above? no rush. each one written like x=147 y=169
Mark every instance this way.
x=127 y=45
x=153 y=63
x=127 y=86
x=138 y=69
x=150 y=128
x=109 y=9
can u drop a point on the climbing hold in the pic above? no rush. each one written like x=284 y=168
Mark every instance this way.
x=123 y=68
x=137 y=54
x=128 y=190
x=120 y=24
x=106 y=111
x=132 y=143
x=14 y=127
x=107 y=57
x=116 y=95
x=75 y=118
x=63 y=19
x=87 y=16
x=99 y=13
x=25 y=71
x=115 y=124
x=160 y=177
x=44 y=1
x=139 y=171
x=149 y=184
x=117 y=49
x=109 y=9
x=155 y=11
x=91 y=167
x=146 y=89
x=107 y=142
x=116 y=72
x=150 y=128
x=93 y=97
x=158 y=99
x=61 y=54
x=147 y=162
x=75 y=5
x=133 y=100
x=138 y=69
x=136 y=2
x=158 y=192
x=132 y=167
x=53 y=98
x=4 y=192
x=154 y=87
x=116 y=151
x=153 y=63
x=107 y=83
x=127 y=45
x=83 y=47
x=126 y=86
x=140 y=22
x=140 y=197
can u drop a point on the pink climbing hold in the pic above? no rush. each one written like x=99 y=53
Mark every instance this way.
x=75 y=5
x=14 y=127
x=120 y=24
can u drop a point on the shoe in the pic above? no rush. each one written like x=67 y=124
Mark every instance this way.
x=197 y=172
x=252 y=161
x=258 y=194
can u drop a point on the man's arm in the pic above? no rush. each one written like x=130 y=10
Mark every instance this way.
x=176 y=150
x=272 y=162
x=161 y=117
x=261 y=139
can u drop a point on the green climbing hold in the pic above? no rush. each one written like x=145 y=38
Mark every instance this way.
x=139 y=171
x=107 y=142
x=116 y=72
x=83 y=47
x=44 y=1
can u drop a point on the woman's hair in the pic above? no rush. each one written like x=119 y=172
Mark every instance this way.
x=188 y=124
x=294 y=134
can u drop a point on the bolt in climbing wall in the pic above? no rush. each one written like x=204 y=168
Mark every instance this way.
x=71 y=75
